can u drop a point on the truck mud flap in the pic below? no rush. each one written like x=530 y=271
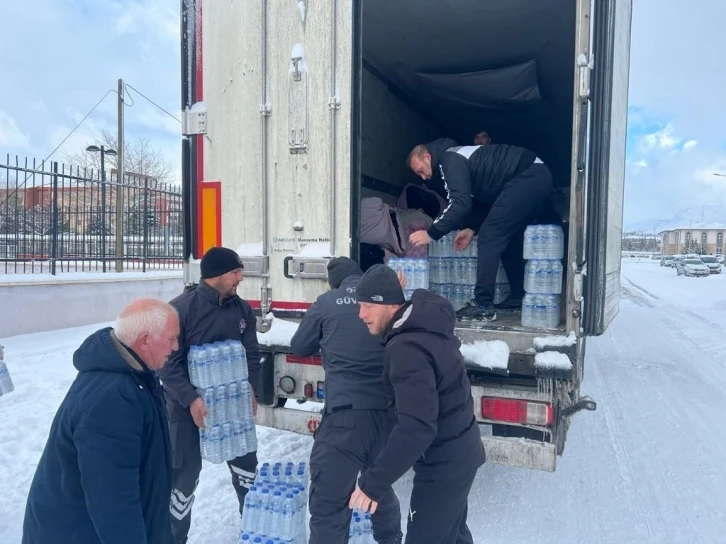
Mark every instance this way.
x=520 y=452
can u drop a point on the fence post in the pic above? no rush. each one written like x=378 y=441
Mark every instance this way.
x=145 y=245
x=54 y=221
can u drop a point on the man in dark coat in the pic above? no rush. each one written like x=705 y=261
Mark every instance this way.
x=105 y=473
x=356 y=419
x=436 y=432
x=496 y=190
x=209 y=312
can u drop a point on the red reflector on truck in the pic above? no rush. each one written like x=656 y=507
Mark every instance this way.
x=316 y=361
x=517 y=411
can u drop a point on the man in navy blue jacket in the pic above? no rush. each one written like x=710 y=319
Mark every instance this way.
x=105 y=473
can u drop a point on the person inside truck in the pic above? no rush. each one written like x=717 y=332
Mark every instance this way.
x=482 y=138
x=356 y=418
x=435 y=431
x=209 y=312
x=496 y=190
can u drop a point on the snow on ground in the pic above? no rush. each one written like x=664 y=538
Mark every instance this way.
x=647 y=466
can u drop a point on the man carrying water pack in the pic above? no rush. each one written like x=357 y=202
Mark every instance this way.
x=512 y=182
x=209 y=312
x=356 y=419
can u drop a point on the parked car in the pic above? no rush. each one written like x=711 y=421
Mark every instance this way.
x=712 y=263
x=667 y=261
x=692 y=267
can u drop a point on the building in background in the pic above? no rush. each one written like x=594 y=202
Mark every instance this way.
x=701 y=238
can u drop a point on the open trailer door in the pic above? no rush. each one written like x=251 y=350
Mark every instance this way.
x=606 y=169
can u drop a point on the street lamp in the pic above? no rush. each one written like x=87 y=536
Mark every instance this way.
x=104 y=152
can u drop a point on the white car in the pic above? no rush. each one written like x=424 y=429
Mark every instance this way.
x=712 y=263
x=692 y=267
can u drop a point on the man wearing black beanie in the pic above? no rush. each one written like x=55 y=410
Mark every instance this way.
x=209 y=312
x=436 y=432
x=356 y=418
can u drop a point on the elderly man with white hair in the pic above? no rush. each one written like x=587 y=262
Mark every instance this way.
x=105 y=473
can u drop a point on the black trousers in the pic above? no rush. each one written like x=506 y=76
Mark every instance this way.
x=187 y=463
x=347 y=442
x=501 y=235
x=438 y=511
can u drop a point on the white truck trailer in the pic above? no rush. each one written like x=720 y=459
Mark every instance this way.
x=294 y=110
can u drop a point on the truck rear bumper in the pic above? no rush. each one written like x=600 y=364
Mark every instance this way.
x=518 y=452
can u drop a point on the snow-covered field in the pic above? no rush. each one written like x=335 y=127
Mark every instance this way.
x=647 y=466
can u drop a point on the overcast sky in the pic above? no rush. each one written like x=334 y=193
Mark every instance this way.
x=60 y=57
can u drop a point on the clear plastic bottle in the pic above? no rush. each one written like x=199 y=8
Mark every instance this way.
x=251 y=510
x=240 y=438
x=251 y=435
x=209 y=397
x=234 y=402
x=245 y=400
x=555 y=278
x=287 y=532
x=193 y=365
x=214 y=435
x=200 y=356
x=423 y=268
x=228 y=366
x=263 y=525
x=528 y=310
x=221 y=400
x=215 y=366
x=6 y=382
x=551 y=312
x=228 y=442
x=239 y=355
x=528 y=252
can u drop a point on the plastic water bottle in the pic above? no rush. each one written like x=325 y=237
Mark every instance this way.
x=210 y=402
x=528 y=311
x=214 y=435
x=423 y=272
x=251 y=510
x=221 y=401
x=197 y=359
x=228 y=366
x=239 y=356
x=555 y=278
x=551 y=312
x=275 y=522
x=214 y=361
x=553 y=242
x=529 y=235
x=287 y=530
x=265 y=512
x=234 y=401
x=6 y=383
x=228 y=442
x=251 y=436
x=471 y=266
x=239 y=438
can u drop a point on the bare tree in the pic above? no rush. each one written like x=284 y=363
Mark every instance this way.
x=141 y=159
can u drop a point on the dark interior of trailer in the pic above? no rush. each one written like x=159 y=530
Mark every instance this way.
x=454 y=68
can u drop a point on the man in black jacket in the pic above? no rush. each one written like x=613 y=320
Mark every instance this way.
x=105 y=473
x=356 y=419
x=510 y=180
x=436 y=432
x=209 y=312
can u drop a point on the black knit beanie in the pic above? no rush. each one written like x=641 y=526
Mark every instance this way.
x=379 y=285
x=218 y=261
x=340 y=268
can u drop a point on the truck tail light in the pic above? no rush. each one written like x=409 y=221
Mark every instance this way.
x=517 y=411
x=315 y=360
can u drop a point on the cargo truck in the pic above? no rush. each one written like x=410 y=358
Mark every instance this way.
x=295 y=110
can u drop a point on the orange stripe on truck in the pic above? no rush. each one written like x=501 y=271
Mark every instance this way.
x=209 y=215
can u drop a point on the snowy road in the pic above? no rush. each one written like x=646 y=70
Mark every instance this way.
x=647 y=466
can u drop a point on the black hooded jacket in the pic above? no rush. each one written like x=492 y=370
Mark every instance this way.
x=436 y=432
x=467 y=172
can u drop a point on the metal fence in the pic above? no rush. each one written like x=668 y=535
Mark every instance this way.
x=56 y=218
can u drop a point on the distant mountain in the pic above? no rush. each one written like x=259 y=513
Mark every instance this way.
x=713 y=213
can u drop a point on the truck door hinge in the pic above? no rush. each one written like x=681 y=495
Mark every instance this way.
x=584 y=69
x=194 y=120
x=334 y=102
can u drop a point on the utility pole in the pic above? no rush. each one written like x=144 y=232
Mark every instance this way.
x=120 y=181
